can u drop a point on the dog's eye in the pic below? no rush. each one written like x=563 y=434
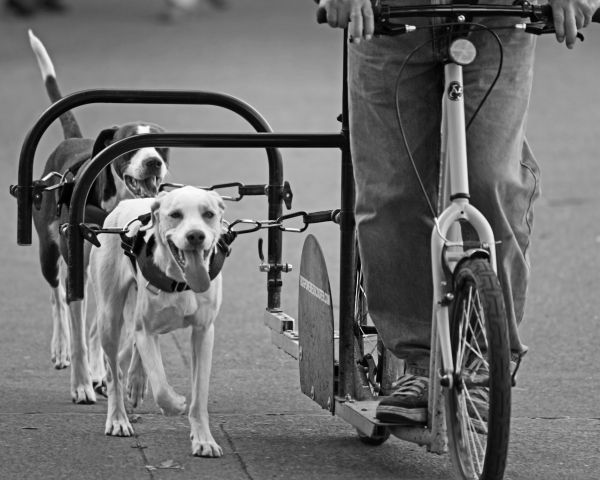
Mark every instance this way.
x=208 y=214
x=175 y=214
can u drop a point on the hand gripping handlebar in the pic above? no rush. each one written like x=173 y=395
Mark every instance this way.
x=383 y=11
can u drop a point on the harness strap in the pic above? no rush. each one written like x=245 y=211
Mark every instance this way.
x=140 y=253
x=150 y=271
x=221 y=253
x=64 y=193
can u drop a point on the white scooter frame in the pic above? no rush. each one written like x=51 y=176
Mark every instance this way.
x=446 y=241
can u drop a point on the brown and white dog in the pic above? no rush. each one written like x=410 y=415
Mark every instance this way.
x=136 y=174
x=182 y=239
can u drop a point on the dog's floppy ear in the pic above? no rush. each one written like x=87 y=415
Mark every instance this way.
x=220 y=202
x=104 y=139
x=155 y=206
x=108 y=187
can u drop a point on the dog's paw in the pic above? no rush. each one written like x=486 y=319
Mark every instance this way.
x=83 y=394
x=171 y=403
x=118 y=426
x=60 y=356
x=205 y=446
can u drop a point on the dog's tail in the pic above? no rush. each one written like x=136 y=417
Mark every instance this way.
x=69 y=123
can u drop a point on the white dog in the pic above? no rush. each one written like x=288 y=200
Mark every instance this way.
x=179 y=245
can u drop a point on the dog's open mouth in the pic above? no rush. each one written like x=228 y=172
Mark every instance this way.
x=193 y=265
x=177 y=254
x=142 y=188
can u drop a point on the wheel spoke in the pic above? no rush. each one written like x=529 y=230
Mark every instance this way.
x=462 y=342
x=467 y=433
x=480 y=320
x=474 y=408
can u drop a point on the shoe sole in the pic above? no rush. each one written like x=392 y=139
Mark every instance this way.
x=400 y=415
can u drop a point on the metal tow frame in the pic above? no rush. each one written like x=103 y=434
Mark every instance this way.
x=263 y=138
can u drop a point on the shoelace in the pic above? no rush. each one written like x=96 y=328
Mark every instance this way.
x=410 y=386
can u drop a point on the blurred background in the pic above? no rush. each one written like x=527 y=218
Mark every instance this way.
x=274 y=56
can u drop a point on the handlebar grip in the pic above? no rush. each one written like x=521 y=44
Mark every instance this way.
x=321 y=15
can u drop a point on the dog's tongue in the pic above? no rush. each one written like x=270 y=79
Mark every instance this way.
x=195 y=271
x=150 y=186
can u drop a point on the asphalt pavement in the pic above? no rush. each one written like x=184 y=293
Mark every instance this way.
x=274 y=56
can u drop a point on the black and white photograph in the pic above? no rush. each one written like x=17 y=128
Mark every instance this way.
x=300 y=239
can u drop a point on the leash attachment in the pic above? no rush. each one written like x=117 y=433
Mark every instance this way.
x=64 y=187
x=242 y=190
x=242 y=226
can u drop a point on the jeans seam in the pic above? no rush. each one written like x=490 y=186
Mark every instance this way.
x=531 y=198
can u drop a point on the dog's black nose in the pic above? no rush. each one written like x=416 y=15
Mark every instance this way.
x=195 y=237
x=153 y=163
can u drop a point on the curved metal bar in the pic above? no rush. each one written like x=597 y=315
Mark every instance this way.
x=86 y=177
x=166 y=97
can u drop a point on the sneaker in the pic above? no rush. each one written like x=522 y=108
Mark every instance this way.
x=407 y=403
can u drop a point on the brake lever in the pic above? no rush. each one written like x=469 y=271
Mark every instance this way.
x=390 y=29
x=542 y=29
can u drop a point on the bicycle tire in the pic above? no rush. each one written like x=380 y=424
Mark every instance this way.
x=479 y=338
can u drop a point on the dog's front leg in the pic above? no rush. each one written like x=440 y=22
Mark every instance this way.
x=110 y=324
x=60 y=347
x=137 y=379
x=96 y=358
x=169 y=402
x=203 y=443
x=82 y=390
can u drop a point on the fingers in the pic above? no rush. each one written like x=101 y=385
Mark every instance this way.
x=570 y=29
x=368 y=21
x=569 y=17
x=356 y=15
x=362 y=23
x=332 y=17
x=356 y=25
x=565 y=24
x=337 y=13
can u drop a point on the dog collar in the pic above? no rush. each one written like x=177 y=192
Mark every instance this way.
x=155 y=276
x=140 y=252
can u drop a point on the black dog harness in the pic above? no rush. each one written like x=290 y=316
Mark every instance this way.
x=140 y=252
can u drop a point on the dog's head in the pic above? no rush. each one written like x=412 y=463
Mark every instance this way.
x=136 y=174
x=187 y=223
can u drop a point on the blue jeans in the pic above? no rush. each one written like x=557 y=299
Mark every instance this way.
x=393 y=221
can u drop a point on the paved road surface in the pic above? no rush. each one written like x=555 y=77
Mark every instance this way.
x=272 y=55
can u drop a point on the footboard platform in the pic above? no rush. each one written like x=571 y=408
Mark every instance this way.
x=284 y=334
